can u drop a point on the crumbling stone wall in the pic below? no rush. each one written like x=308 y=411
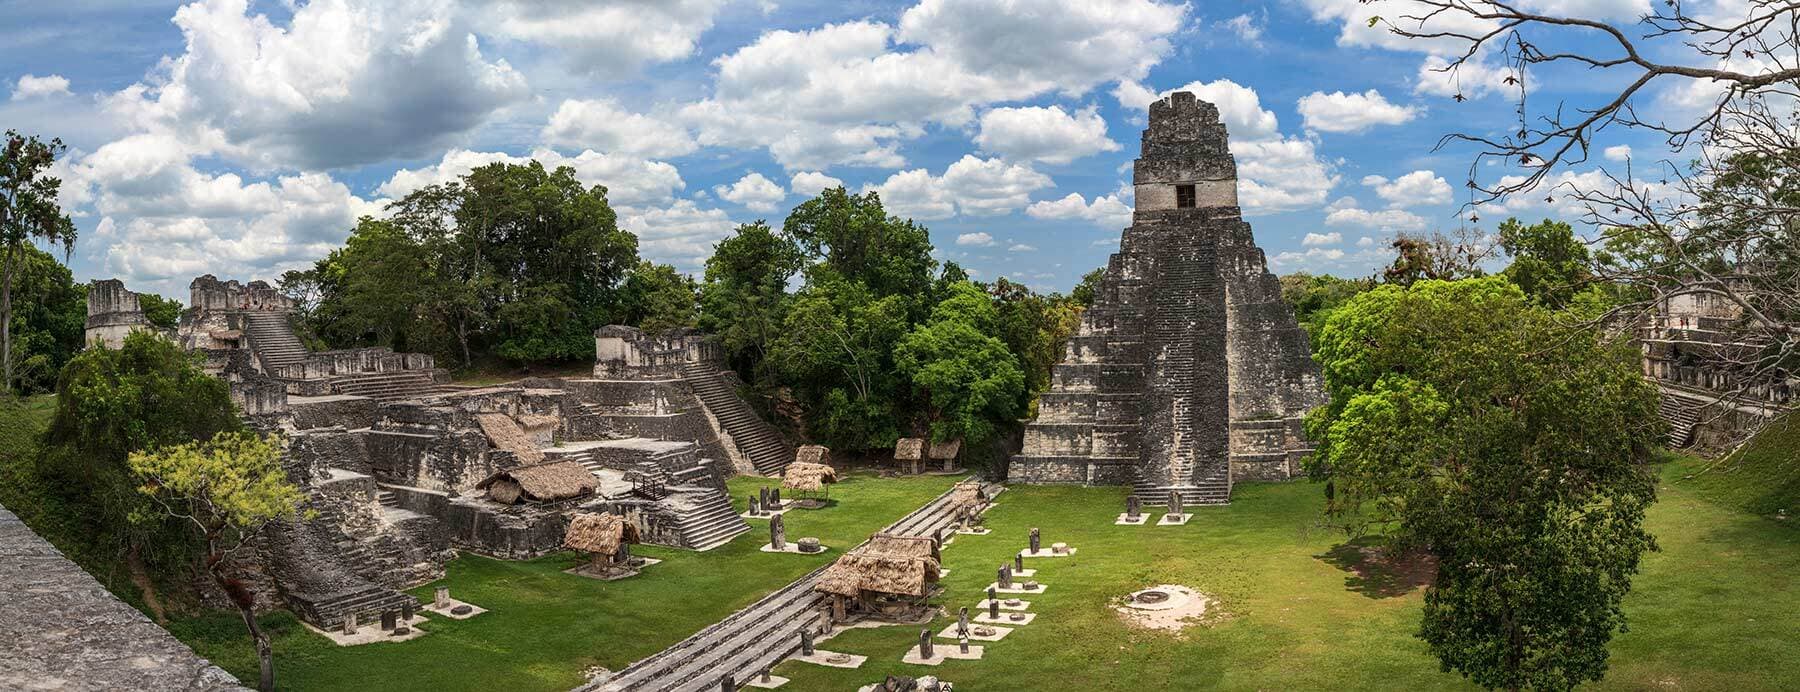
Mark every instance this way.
x=113 y=313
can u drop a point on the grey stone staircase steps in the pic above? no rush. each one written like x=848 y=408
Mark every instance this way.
x=768 y=453
x=1682 y=417
x=759 y=635
x=274 y=340
x=714 y=524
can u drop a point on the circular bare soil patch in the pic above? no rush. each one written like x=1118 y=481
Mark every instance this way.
x=1166 y=607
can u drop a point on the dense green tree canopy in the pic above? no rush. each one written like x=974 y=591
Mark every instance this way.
x=147 y=395
x=48 y=317
x=744 y=295
x=1549 y=263
x=656 y=297
x=853 y=236
x=29 y=212
x=967 y=378
x=1465 y=421
x=511 y=260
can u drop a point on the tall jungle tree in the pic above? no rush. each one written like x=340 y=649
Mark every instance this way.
x=28 y=213
x=1469 y=422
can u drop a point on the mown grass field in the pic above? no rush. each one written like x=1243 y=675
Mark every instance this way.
x=1711 y=611
x=545 y=627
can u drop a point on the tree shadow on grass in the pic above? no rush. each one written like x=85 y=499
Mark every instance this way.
x=1376 y=571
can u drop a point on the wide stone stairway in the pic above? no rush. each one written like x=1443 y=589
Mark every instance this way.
x=753 y=437
x=760 y=635
x=274 y=339
x=1198 y=471
x=391 y=385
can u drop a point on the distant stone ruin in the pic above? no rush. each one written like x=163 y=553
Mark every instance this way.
x=113 y=313
x=1189 y=371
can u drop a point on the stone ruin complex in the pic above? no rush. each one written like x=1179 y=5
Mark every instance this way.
x=1714 y=388
x=1189 y=371
x=402 y=468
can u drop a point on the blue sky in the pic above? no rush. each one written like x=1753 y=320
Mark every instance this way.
x=243 y=139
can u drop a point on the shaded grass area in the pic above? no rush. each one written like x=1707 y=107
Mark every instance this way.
x=1304 y=611
x=1761 y=478
x=545 y=627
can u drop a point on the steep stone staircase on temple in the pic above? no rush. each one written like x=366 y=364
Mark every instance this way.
x=274 y=339
x=357 y=596
x=1198 y=469
x=1682 y=417
x=768 y=453
x=707 y=519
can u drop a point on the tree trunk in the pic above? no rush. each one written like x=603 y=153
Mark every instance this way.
x=6 y=350
x=246 y=605
x=265 y=654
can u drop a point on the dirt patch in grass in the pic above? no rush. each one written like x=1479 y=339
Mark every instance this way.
x=1167 y=607
x=1378 y=571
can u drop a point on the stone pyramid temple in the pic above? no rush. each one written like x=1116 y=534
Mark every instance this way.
x=1189 y=372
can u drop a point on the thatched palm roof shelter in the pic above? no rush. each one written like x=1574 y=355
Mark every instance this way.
x=551 y=481
x=886 y=564
x=897 y=545
x=812 y=454
x=909 y=449
x=946 y=450
x=808 y=477
x=600 y=534
x=967 y=494
x=856 y=573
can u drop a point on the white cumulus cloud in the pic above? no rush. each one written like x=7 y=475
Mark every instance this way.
x=811 y=183
x=602 y=125
x=1049 y=135
x=975 y=240
x=1109 y=212
x=1332 y=238
x=754 y=191
x=32 y=86
x=1414 y=189
x=1352 y=112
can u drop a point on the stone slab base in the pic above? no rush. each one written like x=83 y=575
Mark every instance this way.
x=766 y=514
x=1023 y=573
x=1174 y=519
x=794 y=548
x=474 y=610
x=372 y=633
x=999 y=634
x=820 y=656
x=1126 y=520
x=1006 y=619
x=1015 y=588
x=609 y=576
x=983 y=605
x=939 y=654
x=1046 y=552
x=773 y=682
x=973 y=532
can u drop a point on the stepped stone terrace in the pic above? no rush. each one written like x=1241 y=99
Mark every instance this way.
x=1189 y=372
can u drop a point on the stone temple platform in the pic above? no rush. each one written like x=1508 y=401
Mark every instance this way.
x=63 y=631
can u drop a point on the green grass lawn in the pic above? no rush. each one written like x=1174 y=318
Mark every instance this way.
x=1713 y=610
x=545 y=627
x=1762 y=477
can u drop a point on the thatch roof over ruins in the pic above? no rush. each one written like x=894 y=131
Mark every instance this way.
x=909 y=448
x=897 y=546
x=946 y=450
x=858 y=572
x=807 y=477
x=812 y=454
x=504 y=433
x=967 y=494
x=550 y=481
x=599 y=533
